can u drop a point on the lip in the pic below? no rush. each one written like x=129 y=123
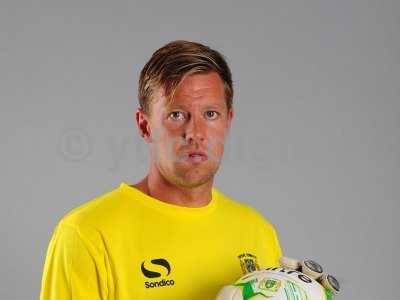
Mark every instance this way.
x=195 y=156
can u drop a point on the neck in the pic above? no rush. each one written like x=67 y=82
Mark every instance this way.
x=155 y=185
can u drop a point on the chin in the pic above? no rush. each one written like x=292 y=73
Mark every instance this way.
x=193 y=178
x=184 y=175
x=190 y=184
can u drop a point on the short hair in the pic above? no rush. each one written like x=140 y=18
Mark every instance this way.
x=169 y=65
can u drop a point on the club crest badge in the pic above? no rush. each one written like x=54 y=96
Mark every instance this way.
x=248 y=263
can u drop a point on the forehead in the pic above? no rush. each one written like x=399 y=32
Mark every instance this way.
x=198 y=88
x=198 y=84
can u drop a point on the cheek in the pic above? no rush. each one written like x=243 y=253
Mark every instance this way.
x=168 y=146
x=215 y=145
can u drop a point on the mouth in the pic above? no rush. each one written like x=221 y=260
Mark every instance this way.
x=194 y=156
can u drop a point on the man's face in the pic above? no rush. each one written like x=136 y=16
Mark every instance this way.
x=187 y=136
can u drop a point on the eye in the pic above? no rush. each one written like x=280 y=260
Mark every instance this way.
x=176 y=115
x=211 y=114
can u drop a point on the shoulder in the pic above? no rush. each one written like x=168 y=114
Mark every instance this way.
x=84 y=225
x=260 y=227
x=243 y=210
x=93 y=212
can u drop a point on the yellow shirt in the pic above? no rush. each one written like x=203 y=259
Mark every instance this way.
x=127 y=245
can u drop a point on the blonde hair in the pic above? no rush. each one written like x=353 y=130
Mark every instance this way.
x=169 y=65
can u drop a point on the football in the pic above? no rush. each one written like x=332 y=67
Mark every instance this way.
x=275 y=284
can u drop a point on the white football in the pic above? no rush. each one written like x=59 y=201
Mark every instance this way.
x=275 y=284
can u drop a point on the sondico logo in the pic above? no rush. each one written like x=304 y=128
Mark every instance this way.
x=152 y=272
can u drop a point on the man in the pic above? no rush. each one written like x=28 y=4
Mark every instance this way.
x=172 y=235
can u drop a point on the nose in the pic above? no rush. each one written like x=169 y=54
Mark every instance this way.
x=194 y=131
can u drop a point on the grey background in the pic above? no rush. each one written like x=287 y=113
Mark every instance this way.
x=314 y=145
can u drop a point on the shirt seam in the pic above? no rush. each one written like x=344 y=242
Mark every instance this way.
x=85 y=242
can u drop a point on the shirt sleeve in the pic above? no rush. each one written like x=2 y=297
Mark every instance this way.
x=277 y=247
x=72 y=268
x=269 y=244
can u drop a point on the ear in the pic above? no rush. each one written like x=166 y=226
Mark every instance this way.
x=143 y=124
x=230 y=118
